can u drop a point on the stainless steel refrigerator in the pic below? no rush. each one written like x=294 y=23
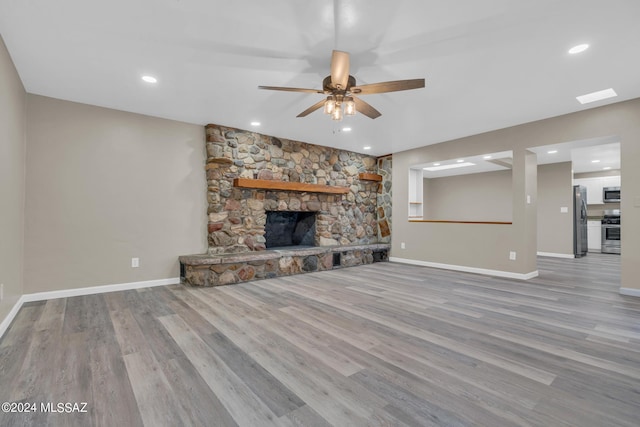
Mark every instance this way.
x=579 y=221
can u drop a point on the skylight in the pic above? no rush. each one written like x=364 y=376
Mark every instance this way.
x=596 y=96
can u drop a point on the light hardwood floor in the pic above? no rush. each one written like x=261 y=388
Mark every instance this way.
x=378 y=345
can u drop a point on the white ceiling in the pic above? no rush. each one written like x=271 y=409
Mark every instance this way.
x=489 y=162
x=590 y=155
x=488 y=64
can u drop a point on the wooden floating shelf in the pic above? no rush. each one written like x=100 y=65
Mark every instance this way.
x=218 y=161
x=370 y=177
x=266 y=184
x=461 y=222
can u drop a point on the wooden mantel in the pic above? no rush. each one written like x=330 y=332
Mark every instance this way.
x=266 y=184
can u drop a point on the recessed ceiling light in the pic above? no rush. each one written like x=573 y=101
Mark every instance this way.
x=149 y=79
x=552 y=152
x=606 y=168
x=579 y=48
x=460 y=161
x=596 y=96
x=486 y=157
x=366 y=148
x=346 y=129
x=453 y=166
x=255 y=123
x=436 y=164
x=595 y=161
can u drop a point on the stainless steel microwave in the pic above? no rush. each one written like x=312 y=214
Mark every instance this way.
x=611 y=194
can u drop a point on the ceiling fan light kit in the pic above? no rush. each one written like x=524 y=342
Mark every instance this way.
x=349 y=106
x=329 y=105
x=338 y=106
x=341 y=87
x=337 y=113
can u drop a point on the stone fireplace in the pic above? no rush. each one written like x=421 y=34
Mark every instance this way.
x=257 y=184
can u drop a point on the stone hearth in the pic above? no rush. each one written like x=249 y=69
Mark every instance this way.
x=351 y=209
x=207 y=270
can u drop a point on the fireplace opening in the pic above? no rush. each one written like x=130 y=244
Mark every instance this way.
x=288 y=228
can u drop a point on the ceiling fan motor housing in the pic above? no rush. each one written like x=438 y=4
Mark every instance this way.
x=327 y=86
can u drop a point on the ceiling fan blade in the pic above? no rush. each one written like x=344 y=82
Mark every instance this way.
x=311 y=109
x=290 y=89
x=393 y=86
x=366 y=109
x=339 y=69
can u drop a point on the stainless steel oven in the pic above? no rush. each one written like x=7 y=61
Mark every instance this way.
x=611 y=232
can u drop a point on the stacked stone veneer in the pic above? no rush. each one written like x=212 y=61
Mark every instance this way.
x=384 y=199
x=351 y=228
x=237 y=216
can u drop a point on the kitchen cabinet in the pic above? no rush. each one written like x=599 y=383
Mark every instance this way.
x=594 y=236
x=595 y=186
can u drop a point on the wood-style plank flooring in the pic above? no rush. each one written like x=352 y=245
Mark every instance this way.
x=378 y=345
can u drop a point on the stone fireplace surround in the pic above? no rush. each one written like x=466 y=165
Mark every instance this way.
x=352 y=228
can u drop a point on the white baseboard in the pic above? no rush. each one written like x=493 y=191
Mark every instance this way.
x=555 y=255
x=466 y=269
x=65 y=293
x=632 y=292
x=4 y=325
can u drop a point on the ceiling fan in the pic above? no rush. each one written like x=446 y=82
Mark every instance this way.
x=341 y=88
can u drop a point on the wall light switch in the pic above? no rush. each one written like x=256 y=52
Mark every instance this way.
x=528 y=199
x=564 y=209
x=512 y=255
x=402 y=245
x=135 y=262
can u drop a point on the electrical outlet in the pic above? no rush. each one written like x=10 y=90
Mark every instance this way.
x=402 y=246
x=135 y=262
x=512 y=255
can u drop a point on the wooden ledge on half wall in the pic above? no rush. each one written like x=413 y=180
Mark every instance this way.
x=266 y=184
x=444 y=221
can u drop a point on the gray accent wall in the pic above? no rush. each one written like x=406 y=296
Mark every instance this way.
x=104 y=186
x=13 y=119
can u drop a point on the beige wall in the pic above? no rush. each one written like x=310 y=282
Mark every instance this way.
x=555 y=229
x=13 y=121
x=428 y=242
x=104 y=186
x=473 y=197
